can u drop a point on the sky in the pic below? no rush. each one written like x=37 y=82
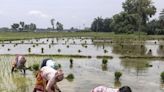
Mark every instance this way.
x=71 y=13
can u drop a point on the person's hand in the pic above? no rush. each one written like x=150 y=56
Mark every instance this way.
x=59 y=90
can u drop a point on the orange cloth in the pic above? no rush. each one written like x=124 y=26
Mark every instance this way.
x=39 y=82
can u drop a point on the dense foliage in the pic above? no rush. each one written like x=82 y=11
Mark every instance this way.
x=23 y=27
x=156 y=26
x=101 y=25
x=135 y=17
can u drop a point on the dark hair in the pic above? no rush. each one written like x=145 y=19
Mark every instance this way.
x=44 y=62
x=125 y=89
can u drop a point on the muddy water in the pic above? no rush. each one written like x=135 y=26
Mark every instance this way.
x=88 y=73
x=81 y=46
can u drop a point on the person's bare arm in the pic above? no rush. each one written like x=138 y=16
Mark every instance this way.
x=57 y=88
x=50 y=84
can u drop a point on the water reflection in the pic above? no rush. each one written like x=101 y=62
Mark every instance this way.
x=152 y=47
x=71 y=66
x=117 y=84
x=80 y=46
x=139 y=65
x=162 y=85
x=104 y=67
x=161 y=50
x=129 y=49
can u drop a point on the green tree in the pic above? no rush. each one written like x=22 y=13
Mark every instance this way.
x=22 y=24
x=107 y=25
x=21 y=28
x=97 y=25
x=59 y=26
x=143 y=8
x=124 y=23
x=15 y=26
x=52 y=23
x=32 y=27
x=152 y=26
x=134 y=17
x=156 y=26
x=161 y=19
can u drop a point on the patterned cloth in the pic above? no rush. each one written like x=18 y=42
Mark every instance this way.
x=39 y=82
x=103 y=89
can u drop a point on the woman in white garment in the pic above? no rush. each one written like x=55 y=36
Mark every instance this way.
x=106 y=89
x=47 y=78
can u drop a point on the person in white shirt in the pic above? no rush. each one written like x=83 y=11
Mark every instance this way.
x=106 y=89
x=47 y=78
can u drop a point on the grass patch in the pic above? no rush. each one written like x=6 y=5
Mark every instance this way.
x=9 y=36
x=70 y=77
x=162 y=76
x=109 y=57
x=117 y=75
x=35 y=67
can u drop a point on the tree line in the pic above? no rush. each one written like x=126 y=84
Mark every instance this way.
x=135 y=17
x=20 y=27
x=23 y=27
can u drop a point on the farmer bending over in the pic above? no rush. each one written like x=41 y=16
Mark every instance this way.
x=106 y=89
x=19 y=63
x=47 y=78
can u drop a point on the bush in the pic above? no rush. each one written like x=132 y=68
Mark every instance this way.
x=161 y=46
x=71 y=61
x=42 y=50
x=35 y=67
x=79 y=51
x=104 y=61
x=105 y=51
x=162 y=76
x=29 y=49
x=85 y=46
x=118 y=75
x=8 y=49
x=59 y=50
x=70 y=77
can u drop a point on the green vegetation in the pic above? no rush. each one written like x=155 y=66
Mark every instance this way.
x=134 y=18
x=59 y=26
x=70 y=77
x=105 y=51
x=20 y=27
x=96 y=35
x=42 y=50
x=104 y=61
x=59 y=50
x=79 y=51
x=117 y=75
x=162 y=76
x=71 y=61
x=35 y=67
x=29 y=50
x=104 y=64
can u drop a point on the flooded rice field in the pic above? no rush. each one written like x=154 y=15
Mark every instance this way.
x=88 y=72
x=81 y=46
